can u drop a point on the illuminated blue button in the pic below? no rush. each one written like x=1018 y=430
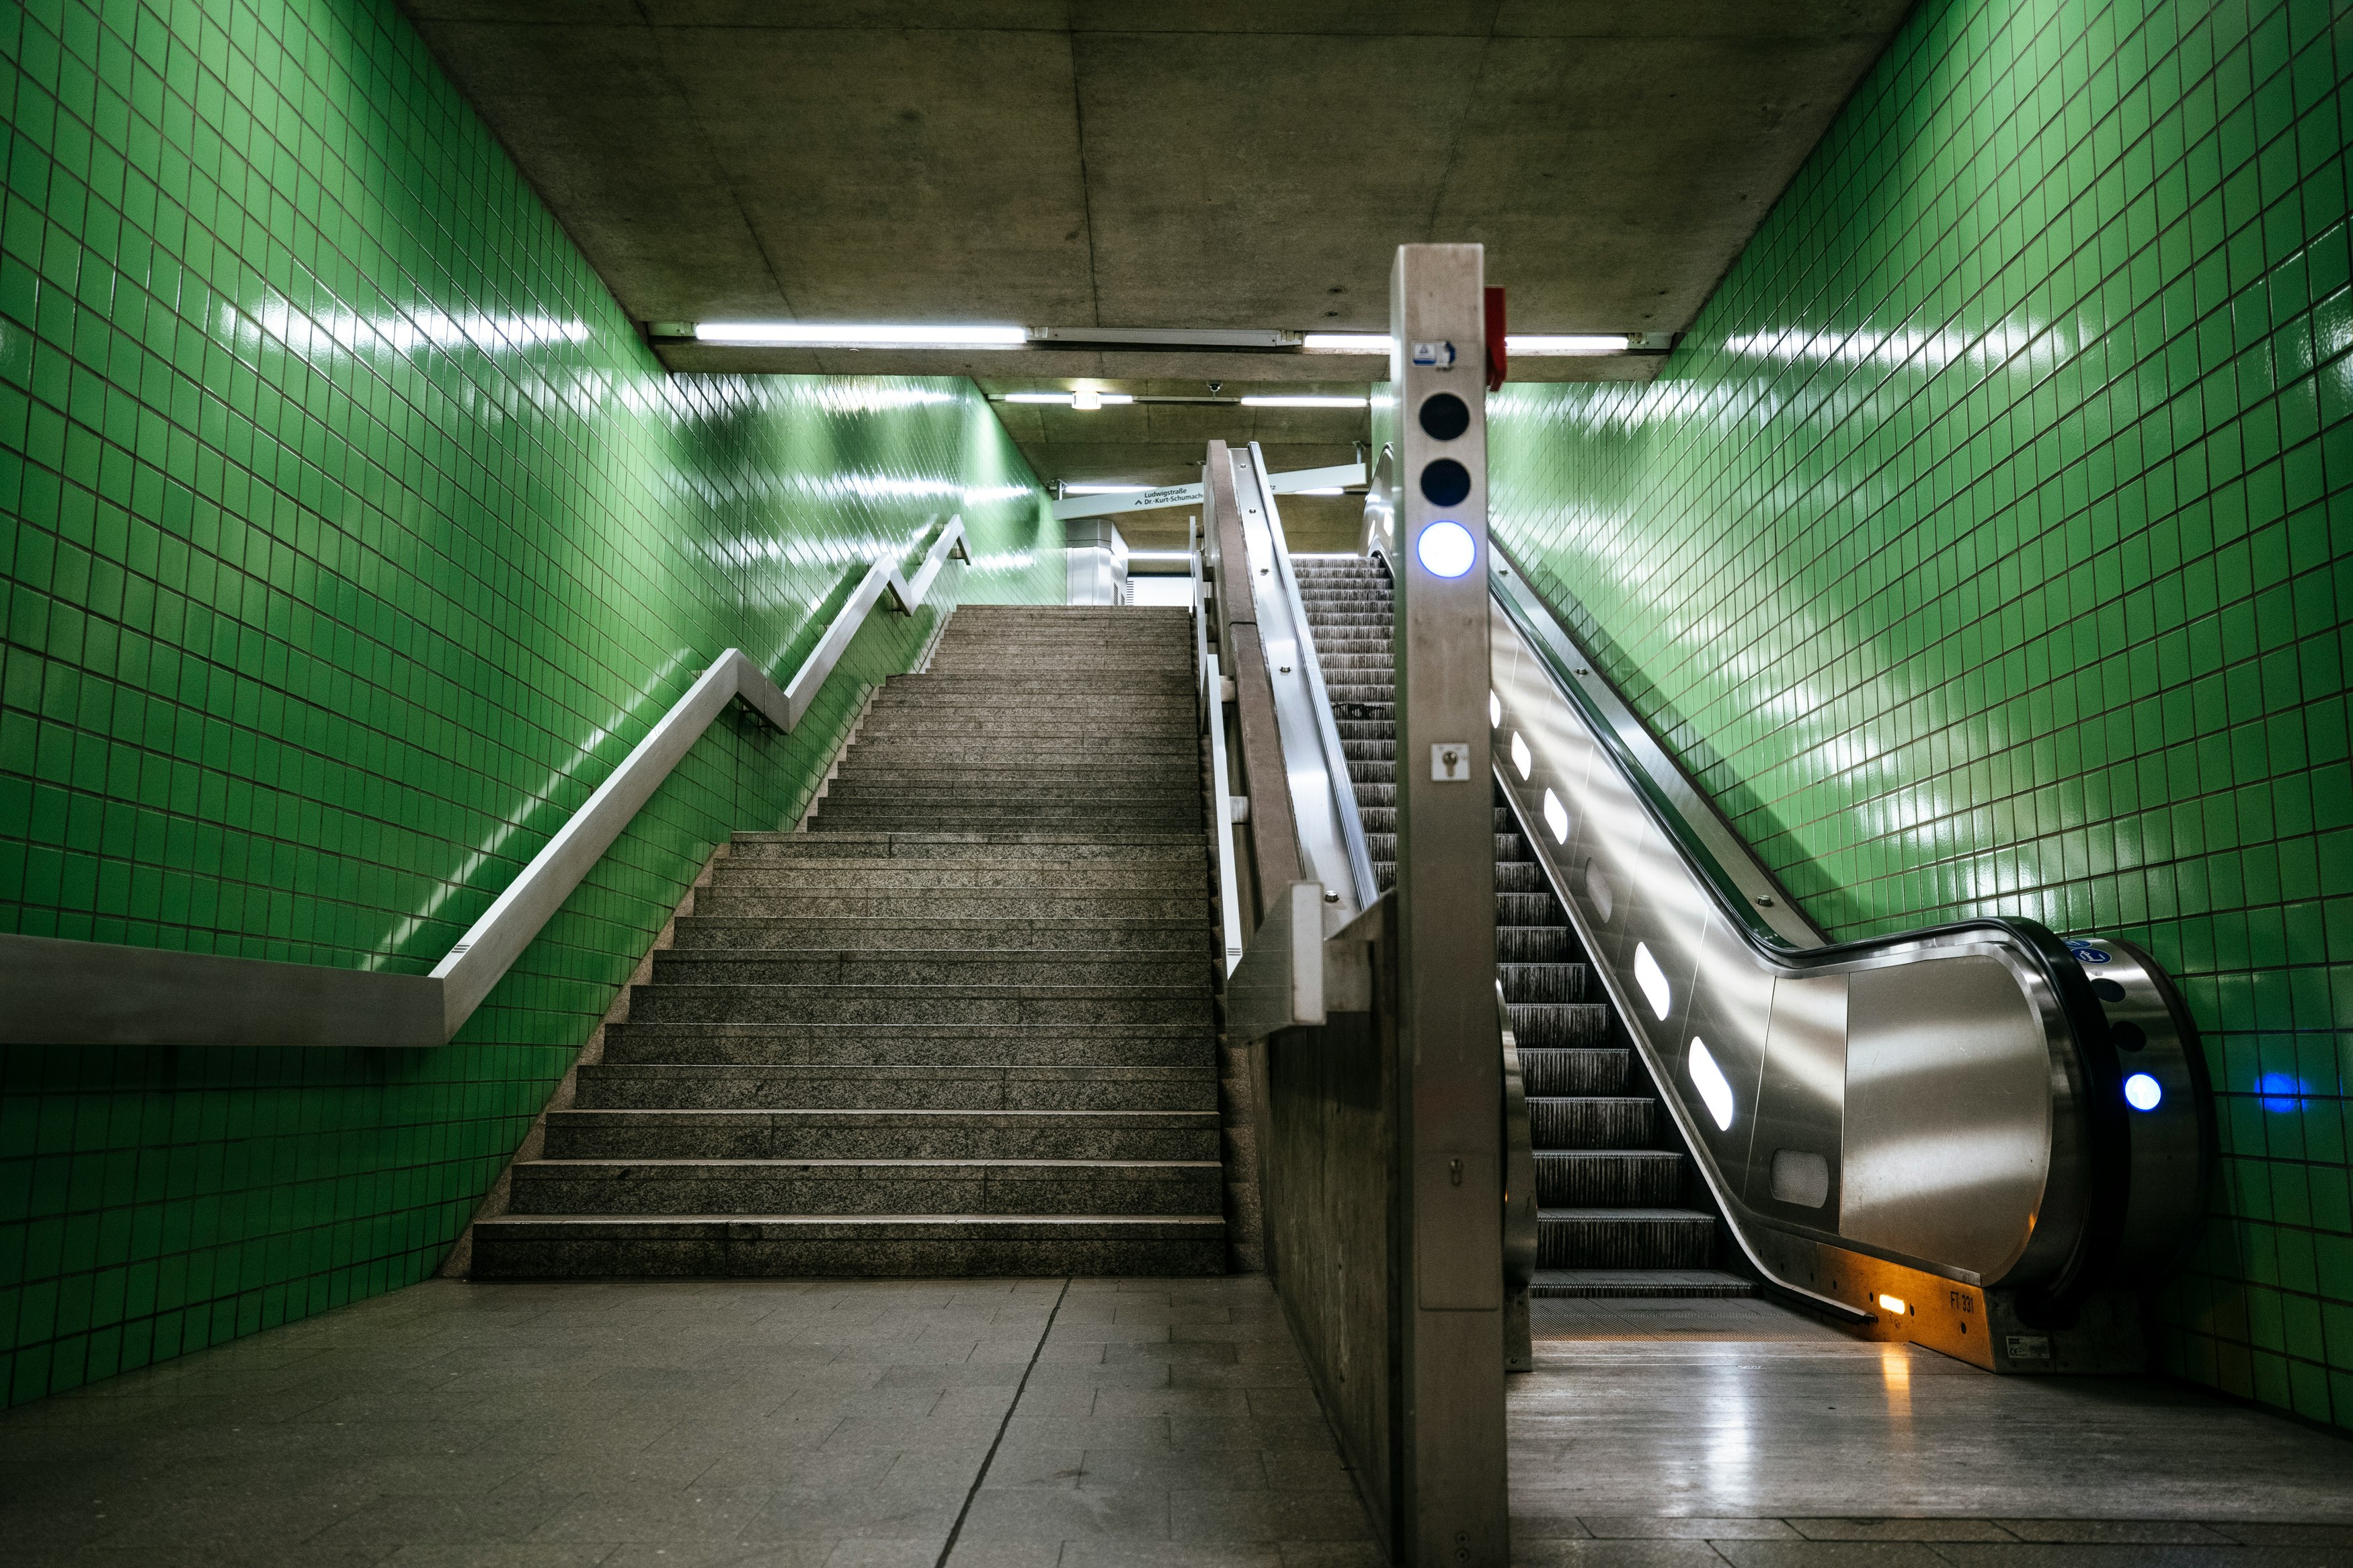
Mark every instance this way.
x=2143 y=1092
x=1446 y=548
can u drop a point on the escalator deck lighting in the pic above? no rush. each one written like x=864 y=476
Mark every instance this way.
x=1894 y=1304
x=2143 y=1092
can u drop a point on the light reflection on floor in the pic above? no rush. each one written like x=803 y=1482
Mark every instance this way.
x=1743 y=1410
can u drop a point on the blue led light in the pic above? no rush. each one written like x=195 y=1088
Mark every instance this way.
x=1446 y=548
x=2282 y=1092
x=2143 y=1092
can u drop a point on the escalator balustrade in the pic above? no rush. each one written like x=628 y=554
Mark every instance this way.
x=1619 y=1210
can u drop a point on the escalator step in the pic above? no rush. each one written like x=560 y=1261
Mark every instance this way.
x=1541 y=982
x=1624 y=1238
x=1593 y=1122
x=1576 y=1072
x=1537 y=944
x=1540 y=1026
x=1604 y=1284
x=1608 y=1178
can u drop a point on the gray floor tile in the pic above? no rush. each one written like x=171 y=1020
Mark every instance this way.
x=1058 y=1513
x=1639 y=1527
x=1900 y=1529
x=1270 y=1516
x=1651 y=1554
x=2126 y=1530
x=1831 y=1554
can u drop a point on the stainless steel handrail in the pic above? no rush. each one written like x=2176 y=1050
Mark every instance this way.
x=1950 y=1100
x=1316 y=747
x=61 y=991
x=1222 y=800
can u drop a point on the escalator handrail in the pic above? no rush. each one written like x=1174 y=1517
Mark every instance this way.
x=2101 y=1125
x=1327 y=734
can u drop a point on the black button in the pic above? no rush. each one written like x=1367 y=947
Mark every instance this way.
x=1445 y=482
x=2127 y=1037
x=1444 y=416
x=2107 y=991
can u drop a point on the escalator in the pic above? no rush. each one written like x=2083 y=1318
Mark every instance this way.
x=1980 y=1137
x=1620 y=1209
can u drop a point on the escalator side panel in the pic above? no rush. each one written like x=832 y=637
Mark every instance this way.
x=1794 y=1166
x=1948 y=1139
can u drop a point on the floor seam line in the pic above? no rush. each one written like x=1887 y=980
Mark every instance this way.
x=980 y=1476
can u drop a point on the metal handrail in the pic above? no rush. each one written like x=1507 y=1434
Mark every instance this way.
x=1213 y=720
x=61 y=991
x=1327 y=734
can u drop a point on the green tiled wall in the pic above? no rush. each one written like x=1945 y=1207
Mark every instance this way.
x=351 y=536
x=1987 y=547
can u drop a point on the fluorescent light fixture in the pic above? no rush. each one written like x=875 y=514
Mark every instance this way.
x=1084 y=400
x=1105 y=489
x=1540 y=346
x=1714 y=1088
x=857 y=335
x=1160 y=555
x=1304 y=401
x=1322 y=491
x=1652 y=980
x=1345 y=342
x=1894 y=1304
x=1520 y=757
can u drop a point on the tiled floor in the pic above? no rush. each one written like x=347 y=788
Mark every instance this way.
x=1109 y=1424
x=1665 y=1434
x=1160 y=1424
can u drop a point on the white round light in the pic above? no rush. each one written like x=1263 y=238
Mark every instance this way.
x=1446 y=548
x=2143 y=1092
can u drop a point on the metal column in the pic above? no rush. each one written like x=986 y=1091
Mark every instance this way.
x=1450 y=1310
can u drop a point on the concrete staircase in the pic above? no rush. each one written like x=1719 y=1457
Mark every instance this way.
x=1619 y=1209
x=962 y=1025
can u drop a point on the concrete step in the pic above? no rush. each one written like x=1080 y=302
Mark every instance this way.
x=933 y=1080
x=914 y=904
x=929 y=966
x=879 y=876
x=1171 y=940
x=887 y=1246
x=1012 y=785
x=957 y=1186
x=868 y=1134
x=956 y=719
x=924 y=813
x=1012 y=751
x=1624 y=1238
x=943 y=814
x=944 y=1004
x=1177 y=848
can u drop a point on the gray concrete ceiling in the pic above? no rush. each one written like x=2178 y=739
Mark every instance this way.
x=1183 y=164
